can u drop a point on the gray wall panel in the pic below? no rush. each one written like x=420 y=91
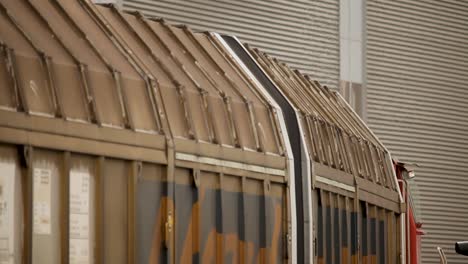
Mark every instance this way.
x=417 y=96
x=303 y=34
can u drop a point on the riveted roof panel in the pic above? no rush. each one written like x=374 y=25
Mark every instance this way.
x=335 y=135
x=99 y=66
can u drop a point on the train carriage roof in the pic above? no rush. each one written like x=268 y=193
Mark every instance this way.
x=336 y=136
x=80 y=77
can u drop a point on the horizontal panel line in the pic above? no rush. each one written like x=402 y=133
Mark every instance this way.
x=229 y=164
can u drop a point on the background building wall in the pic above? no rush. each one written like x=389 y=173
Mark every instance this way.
x=352 y=85
x=303 y=34
x=417 y=103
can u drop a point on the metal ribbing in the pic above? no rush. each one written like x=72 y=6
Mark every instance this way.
x=417 y=95
x=303 y=34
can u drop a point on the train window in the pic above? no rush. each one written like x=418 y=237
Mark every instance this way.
x=11 y=218
x=81 y=211
x=46 y=203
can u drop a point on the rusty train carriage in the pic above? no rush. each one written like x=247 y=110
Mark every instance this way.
x=127 y=140
x=346 y=161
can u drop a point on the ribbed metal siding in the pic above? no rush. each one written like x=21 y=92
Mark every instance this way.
x=417 y=96
x=303 y=34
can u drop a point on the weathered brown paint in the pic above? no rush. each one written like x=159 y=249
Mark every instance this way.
x=155 y=81
x=371 y=250
x=344 y=253
x=64 y=207
x=158 y=234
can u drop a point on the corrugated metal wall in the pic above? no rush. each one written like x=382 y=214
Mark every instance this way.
x=417 y=96
x=303 y=34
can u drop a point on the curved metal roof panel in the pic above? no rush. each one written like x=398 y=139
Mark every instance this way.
x=96 y=65
x=335 y=135
x=101 y=67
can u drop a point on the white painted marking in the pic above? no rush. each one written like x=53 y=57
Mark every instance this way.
x=229 y=164
x=336 y=184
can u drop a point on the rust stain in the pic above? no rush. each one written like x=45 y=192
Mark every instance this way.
x=208 y=251
x=186 y=254
x=156 y=244
x=276 y=233
x=344 y=255
x=231 y=243
x=251 y=252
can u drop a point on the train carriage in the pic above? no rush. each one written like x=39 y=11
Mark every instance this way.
x=124 y=139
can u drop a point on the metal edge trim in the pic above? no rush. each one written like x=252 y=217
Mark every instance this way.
x=306 y=186
x=229 y=164
x=284 y=131
x=335 y=183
